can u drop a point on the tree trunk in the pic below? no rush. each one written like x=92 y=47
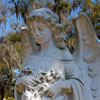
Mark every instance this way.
x=2 y=94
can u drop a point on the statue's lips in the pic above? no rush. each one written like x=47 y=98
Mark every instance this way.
x=39 y=38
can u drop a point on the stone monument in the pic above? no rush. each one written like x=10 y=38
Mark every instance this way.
x=49 y=70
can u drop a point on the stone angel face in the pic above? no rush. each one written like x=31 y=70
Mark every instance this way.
x=44 y=26
x=41 y=32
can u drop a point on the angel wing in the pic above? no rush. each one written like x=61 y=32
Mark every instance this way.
x=28 y=43
x=87 y=56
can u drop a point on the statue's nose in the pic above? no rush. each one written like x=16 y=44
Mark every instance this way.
x=37 y=32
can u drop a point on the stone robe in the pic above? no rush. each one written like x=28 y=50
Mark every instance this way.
x=62 y=64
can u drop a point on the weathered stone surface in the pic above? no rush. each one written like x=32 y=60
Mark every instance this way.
x=87 y=55
x=49 y=71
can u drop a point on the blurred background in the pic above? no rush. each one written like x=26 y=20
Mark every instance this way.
x=12 y=17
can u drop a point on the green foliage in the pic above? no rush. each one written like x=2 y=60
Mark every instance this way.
x=92 y=9
x=10 y=49
x=10 y=98
x=50 y=5
x=70 y=43
x=65 y=6
x=23 y=4
x=23 y=7
x=6 y=82
x=14 y=37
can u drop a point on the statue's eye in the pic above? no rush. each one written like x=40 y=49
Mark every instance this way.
x=40 y=28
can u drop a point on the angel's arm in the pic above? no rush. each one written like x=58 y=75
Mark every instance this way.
x=72 y=84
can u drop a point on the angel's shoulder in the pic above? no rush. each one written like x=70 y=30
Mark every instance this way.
x=66 y=55
x=60 y=54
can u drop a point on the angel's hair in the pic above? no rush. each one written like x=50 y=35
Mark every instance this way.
x=45 y=14
x=48 y=16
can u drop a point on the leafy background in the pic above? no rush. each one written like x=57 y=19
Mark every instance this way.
x=12 y=17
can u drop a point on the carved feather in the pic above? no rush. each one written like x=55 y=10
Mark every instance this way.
x=87 y=55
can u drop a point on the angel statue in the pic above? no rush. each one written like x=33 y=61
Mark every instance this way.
x=49 y=70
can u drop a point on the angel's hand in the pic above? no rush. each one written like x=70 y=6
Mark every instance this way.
x=53 y=90
x=28 y=81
